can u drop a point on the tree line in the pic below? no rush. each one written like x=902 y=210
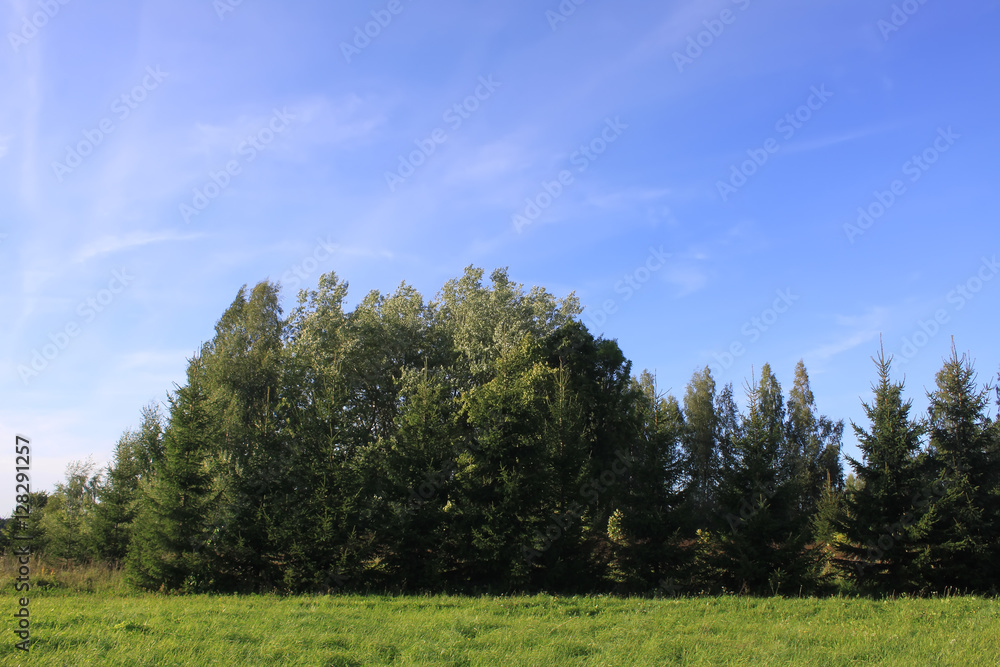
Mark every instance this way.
x=487 y=442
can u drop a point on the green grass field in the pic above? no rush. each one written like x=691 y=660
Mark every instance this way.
x=110 y=626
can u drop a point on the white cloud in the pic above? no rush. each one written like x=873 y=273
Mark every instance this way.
x=110 y=244
x=687 y=279
x=861 y=329
x=833 y=140
x=627 y=197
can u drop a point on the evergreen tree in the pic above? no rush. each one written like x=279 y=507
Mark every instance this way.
x=881 y=524
x=318 y=539
x=729 y=432
x=505 y=495
x=11 y=526
x=242 y=380
x=763 y=550
x=170 y=542
x=426 y=452
x=644 y=528
x=135 y=457
x=962 y=468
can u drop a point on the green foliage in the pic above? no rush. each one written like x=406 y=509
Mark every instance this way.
x=136 y=456
x=9 y=527
x=170 y=536
x=699 y=441
x=813 y=446
x=961 y=466
x=763 y=550
x=883 y=522
x=485 y=441
x=67 y=522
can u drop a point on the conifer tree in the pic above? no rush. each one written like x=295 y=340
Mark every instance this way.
x=881 y=523
x=961 y=469
x=644 y=528
x=136 y=455
x=763 y=548
x=242 y=379
x=170 y=543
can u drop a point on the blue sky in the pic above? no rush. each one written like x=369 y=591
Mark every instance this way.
x=693 y=171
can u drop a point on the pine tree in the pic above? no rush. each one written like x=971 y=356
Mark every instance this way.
x=241 y=379
x=169 y=546
x=881 y=523
x=135 y=457
x=960 y=468
x=763 y=547
x=644 y=528
x=425 y=454
x=729 y=430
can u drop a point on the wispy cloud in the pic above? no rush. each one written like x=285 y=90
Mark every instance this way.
x=833 y=140
x=357 y=251
x=687 y=279
x=111 y=244
x=626 y=198
x=861 y=329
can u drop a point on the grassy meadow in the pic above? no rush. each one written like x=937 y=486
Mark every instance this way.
x=86 y=616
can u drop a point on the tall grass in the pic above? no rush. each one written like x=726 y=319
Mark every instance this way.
x=51 y=575
x=153 y=629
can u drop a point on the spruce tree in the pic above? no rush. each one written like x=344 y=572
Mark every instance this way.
x=135 y=457
x=881 y=523
x=169 y=547
x=644 y=527
x=241 y=379
x=763 y=548
x=960 y=470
